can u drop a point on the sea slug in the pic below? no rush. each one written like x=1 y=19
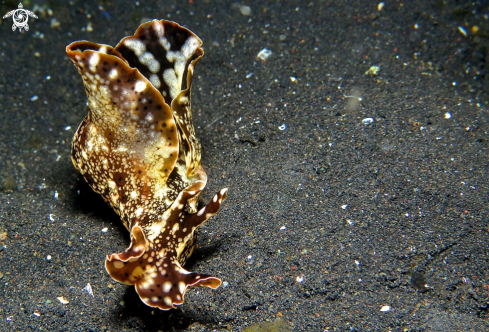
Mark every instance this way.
x=137 y=148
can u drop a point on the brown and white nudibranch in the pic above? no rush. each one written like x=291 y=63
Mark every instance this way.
x=137 y=148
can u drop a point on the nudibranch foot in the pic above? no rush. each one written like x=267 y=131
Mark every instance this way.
x=137 y=148
x=154 y=267
x=160 y=281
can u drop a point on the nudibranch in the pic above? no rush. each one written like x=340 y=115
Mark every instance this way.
x=137 y=148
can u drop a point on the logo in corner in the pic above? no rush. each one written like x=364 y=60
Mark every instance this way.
x=20 y=17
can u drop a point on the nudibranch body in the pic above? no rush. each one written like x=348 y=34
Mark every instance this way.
x=137 y=148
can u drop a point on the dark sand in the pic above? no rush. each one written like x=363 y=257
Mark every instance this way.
x=326 y=221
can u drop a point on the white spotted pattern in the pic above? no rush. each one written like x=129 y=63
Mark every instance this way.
x=155 y=81
x=172 y=81
x=113 y=74
x=135 y=45
x=167 y=286
x=140 y=86
x=149 y=60
x=93 y=62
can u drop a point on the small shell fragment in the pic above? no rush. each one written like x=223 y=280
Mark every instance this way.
x=367 y=121
x=63 y=300
x=245 y=10
x=54 y=23
x=264 y=54
x=373 y=70
x=88 y=289
x=385 y=308
x=462 y=31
